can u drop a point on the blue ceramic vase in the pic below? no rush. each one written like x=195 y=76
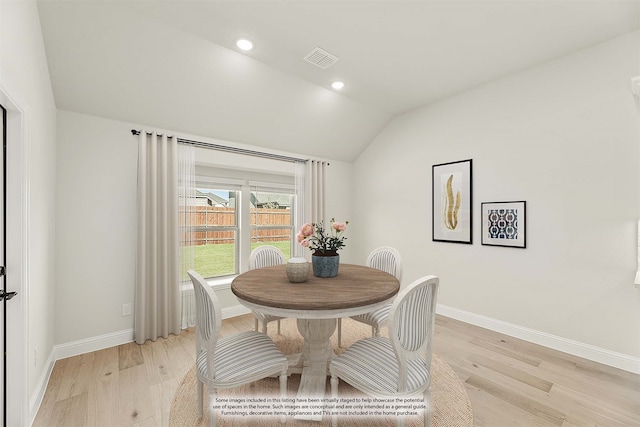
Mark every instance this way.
x=325 y=266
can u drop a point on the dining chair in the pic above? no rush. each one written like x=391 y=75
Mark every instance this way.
x=388 y=260
x=265 y=256
x=398 y=366
x=233 y=360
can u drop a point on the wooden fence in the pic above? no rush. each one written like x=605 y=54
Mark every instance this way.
x=201 y=216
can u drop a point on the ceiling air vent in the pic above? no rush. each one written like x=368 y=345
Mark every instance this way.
x=321 y=58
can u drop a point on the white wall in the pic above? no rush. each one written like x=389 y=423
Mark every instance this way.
x=96 y=219
x=25 y=78
x=565 y=137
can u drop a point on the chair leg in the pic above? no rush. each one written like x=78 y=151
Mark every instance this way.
x=374 y=331
x=212 y=405
x=264 y=327
x=255 y=325
x=200 y=402
x=283 y=391
x=279 y=330
x=334 y=396
x=427 y=407
x=339 y=332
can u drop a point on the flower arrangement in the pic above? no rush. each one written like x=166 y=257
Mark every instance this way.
x=323 y=242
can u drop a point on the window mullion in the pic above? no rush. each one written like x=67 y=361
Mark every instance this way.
x=244 y=221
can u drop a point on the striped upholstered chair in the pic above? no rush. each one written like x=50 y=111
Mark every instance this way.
x=388 y=260
x=234 y=360
x=265 y=256
x=398 y=366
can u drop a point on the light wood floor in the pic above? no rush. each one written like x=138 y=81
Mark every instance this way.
x=510 y=382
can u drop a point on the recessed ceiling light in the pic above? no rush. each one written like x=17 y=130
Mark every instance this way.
x=337 y=85
x=244 y=44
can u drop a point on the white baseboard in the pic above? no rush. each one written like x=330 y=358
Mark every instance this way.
x=233 y=311
x=576 y=348
x=87 y=345
x=41 y=387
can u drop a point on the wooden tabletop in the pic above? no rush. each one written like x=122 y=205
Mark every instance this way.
x=354 y=286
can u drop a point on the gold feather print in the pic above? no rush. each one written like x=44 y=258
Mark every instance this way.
x=450 y=205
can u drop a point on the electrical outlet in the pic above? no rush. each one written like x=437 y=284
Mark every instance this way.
x=126 y=309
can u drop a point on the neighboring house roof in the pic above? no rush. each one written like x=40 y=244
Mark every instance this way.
x=271 y=200
x=212 y=199
x=218 y=199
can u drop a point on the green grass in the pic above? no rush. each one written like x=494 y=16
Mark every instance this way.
x=219 y=260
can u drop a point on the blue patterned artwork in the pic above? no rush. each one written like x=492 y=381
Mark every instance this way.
x=503 y=223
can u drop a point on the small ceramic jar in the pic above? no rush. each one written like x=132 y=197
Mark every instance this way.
x=297 y=270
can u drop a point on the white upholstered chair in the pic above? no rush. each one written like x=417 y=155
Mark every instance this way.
x=398 y=366
x=388 y=260
x=233 y=360
x=265 y=256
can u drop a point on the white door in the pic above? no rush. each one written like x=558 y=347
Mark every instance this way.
x=14 y=375
x=14 y=396
x=3 y=302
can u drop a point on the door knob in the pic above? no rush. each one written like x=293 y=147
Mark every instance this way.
x=7 y=295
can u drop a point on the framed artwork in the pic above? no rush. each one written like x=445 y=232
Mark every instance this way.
x=452 y=202
x=504 y=224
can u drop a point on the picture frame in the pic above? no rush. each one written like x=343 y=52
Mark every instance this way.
x=452 y=202
x=504 y=224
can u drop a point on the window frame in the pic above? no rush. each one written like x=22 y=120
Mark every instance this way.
x=284 y=190
x=243 y=228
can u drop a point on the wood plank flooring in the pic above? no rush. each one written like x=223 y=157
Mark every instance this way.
x=510 y=382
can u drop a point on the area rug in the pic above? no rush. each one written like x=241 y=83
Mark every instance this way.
x=450 y=404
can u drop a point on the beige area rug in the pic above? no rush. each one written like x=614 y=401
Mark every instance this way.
x=450 y=404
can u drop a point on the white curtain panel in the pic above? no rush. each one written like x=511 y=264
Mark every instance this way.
x=157 y=311
x=316 y=191
x=315 y=197
x=187 y=195
x=299 y=217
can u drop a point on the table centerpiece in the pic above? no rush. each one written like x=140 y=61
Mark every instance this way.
x=324 y=244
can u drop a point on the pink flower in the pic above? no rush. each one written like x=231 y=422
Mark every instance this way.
x=320 y=239
x=307 y=230
x=339 y=226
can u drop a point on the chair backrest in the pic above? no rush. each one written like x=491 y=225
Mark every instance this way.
x=411 y=324
x=386 y=259
x=265 y=256
x=208 y=318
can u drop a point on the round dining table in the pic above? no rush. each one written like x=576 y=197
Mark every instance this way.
x=316 y=304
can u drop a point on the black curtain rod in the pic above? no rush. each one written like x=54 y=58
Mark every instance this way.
x=233 y=149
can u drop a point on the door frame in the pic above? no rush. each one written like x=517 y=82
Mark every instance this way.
x=17 y=216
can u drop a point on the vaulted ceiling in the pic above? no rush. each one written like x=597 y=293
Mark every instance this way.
x=173 y=64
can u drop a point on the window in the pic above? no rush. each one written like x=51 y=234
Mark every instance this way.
x=214 y=236
x=272 y=220
x=229 y=220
